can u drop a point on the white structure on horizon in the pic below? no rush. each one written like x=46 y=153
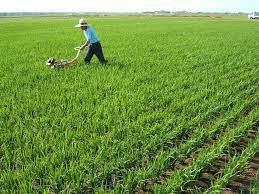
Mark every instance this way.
x=254 y=15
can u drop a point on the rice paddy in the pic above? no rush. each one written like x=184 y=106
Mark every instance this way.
x=174 y=111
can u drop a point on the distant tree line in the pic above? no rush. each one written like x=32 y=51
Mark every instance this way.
x=36 y=13
x=17 y=14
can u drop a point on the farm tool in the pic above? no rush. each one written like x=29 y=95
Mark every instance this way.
x=52 y=63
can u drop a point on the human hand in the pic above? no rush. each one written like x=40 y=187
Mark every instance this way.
x=78 y=48
x=82 y=47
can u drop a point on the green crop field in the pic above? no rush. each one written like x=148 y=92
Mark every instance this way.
x=175 y=110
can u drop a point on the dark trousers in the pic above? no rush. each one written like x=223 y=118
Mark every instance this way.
x=95 y=49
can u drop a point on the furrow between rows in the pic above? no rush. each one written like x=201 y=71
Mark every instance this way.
x=210 y=174
x=205 y=158
x=241 y=172
x=166 y=159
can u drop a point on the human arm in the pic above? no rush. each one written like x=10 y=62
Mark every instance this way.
x=74 y=61
x=82 y=47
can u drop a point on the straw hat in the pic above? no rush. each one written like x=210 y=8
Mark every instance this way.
x=82 y=22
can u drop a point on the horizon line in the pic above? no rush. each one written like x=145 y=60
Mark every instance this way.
x=147 y=11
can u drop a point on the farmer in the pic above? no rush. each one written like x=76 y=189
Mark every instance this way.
x=93 y=42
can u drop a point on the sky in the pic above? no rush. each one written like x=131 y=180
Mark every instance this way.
x=128 y=5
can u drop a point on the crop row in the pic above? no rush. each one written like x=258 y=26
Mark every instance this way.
x=208 y=155
x=201 y=136
x=236 y=166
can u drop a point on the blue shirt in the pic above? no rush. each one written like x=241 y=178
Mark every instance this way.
x=91 y=35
